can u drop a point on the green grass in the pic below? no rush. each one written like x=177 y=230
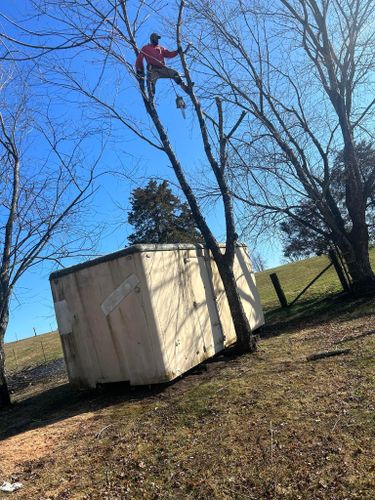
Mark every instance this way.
x=32 y=351
x=295 y=276
x=293 y=279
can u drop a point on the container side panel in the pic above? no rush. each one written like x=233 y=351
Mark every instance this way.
x=84 y=291
x=197 y=342
x=182 y=298
x=79 y=357
x=247 y=287
x=113 y=334
x=133 y=326
x=246 y=284
x=204 y=292
x=222 y=304
x=100 y=284
x=65 y=321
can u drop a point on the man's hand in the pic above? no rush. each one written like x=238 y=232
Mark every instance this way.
x=181 y=51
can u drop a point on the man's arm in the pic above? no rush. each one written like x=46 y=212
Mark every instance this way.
x=169 y=53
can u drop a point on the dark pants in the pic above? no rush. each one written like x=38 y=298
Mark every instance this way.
x=155 y=72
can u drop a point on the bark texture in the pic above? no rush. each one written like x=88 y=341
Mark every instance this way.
x=245 y=339
x=5 y=400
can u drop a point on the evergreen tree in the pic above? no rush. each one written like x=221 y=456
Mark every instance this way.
x=158 y=216
x=301 y=240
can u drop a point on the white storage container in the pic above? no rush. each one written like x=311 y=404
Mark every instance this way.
x=148 y=313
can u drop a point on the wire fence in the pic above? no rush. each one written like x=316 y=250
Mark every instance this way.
x=33 y=350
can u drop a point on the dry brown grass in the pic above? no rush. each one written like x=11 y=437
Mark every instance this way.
x=269 y=425
x=263 y=426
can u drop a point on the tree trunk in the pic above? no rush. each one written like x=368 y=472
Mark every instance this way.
x=245 y=338
x=4 y=391
x=357 y=255
x=357 y=259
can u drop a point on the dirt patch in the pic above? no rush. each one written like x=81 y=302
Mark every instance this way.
x=49 y=413
x=18 y=451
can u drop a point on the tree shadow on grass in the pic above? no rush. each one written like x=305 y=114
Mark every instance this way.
x=50 y=406
x=62 y=400
x=314 y=312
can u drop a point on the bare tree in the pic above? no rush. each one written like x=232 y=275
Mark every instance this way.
x=303 y=71
x=258 y=261
x=113 y=28
x=41 y=196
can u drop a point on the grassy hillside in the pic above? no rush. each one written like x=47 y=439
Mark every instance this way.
x=293 y=277
x=32 y=351
x=270 y=425
x=263 y=426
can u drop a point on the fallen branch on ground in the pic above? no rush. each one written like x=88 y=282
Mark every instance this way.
x=326 y=354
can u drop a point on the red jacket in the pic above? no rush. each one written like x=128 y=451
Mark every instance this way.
x=154 y=55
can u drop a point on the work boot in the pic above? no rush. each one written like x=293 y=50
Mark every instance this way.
x=183 y=85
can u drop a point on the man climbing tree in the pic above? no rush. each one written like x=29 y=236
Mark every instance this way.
x=215 y=131
x=156 y=68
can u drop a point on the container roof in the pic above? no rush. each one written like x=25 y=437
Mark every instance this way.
x=134 y=249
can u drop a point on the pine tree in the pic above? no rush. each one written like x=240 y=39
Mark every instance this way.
x=158 y=216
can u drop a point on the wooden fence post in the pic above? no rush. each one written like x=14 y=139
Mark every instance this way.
x=278 y=289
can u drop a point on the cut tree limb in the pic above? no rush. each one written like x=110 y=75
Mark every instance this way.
x=326 y=354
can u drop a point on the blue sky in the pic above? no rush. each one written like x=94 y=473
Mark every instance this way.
x=32 y=305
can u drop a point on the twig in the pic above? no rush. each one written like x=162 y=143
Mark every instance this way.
x=44 y=354
x=15 y=358
x=337 y=421
x=355 y=337
x=98 y=435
